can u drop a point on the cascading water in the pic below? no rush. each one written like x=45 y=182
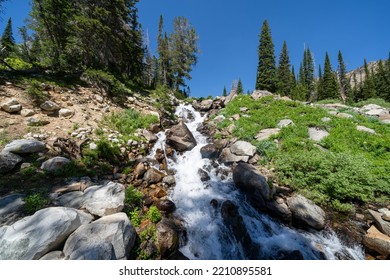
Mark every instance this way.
x=208 y=235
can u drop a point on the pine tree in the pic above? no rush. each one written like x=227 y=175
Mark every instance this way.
x=368 y=88
x=328 y=87
x=7 y=40
x=183 y=51
x=240 y=89
x=308 y=72
x=224 y=93
x=266 y=70
x=283 y=72
x=163 y=53
x=382 y=81
x=293 y=79
x=345 y=85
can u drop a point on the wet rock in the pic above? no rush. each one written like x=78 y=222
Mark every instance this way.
x=242 y=148
x=55 y=164
x=8 y=161
x=205 y=105
x=108 y=238
x=180 y=138
x=50 y=106
x=153 y=176
x=106 y=199
x=279 y=209
x=165 y=205
x=204 y=176
x=11 y=106
x=34 y=236
x=317 y=134
x=159 y=192
x=305 y=212
x=160 y=156
x=214 y=203
x=11 y=207
x=149 y=136
x=265 y=134
x=247 y=178
x=234 y=221
x=169 y=180
x=24 y=146
x=168 y=236
x=209 y=151
x=377 y=241
x=290 y=255
x=139 y=170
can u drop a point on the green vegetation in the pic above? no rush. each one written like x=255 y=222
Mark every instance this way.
x=35 y=92
x=34 y=202
x=105 y=82
x=133 y=196
x=347 y=167
x=153 y=214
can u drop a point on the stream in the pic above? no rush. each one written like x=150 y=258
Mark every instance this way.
x=208 y=237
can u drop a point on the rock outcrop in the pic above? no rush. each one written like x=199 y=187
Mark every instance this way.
x=24 y=146
x=180 y=138
x=305 y=212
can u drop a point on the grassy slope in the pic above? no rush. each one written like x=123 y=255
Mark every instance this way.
x=349 y=166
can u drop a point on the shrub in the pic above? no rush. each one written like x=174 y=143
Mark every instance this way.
x=133 y=196
x=135 y=217
x=153 y=214
x=35 y=92
x=33 y=203
x=105 y=81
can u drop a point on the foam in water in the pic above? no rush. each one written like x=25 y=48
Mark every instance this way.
x=210 y=238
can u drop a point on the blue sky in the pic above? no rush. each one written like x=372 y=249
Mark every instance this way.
x=229 y=33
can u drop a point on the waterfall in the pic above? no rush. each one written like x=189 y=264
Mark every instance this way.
x=208 y=236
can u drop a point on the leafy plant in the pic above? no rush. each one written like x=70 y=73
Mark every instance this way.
x=135 y=217
x=35 y=92
x=33 y=203
x=105 y=82
x=153 y=214
x=133 y=196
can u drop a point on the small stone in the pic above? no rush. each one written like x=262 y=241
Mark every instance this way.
x=326 y=119
x=36 y=122
x=55 y=164
x=365 y=129
x=27 y=112
x=50 y=106
x=284 y=123
x=93 y=146
x=65 y=113
x=11 y=106
x=344 y=116
x=317 y=134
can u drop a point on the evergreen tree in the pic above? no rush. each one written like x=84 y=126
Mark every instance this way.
x=224 y=93
x=368 y=88
x=308 y=72
x=382 y=81
x=183 y=50
x=163 y=54
x=345 y=85
x=240 y=89
x=7 y=40
x=328 y=87
x=293 y=79
x=266 y=70
x=283 y=72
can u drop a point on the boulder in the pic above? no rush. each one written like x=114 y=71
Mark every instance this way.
x=45 y=231
x=233 y=94
x=265 y=134
x=139 y=170
x=305 y=212
x=377 y=241
x=65 y=113
x=284 y=123
x=257 y=94
x=11 y=106
x=27 y=112
x=73 y=199
x=36 y=122
x=227 y=156
x=166 y=205
x=205 y=105
x=169 y=180
x=180 y=138
x=108 y=238
x=204 y=176
x=381 y=224
x=376 y=112
x=149 y=136
x=53 y=256
x=11 y=207
x=279 y=209
x=317 y=134
x=365 y=129
x=369 y=107
x=168 y=236
x=50 y=106
x=326 y=119
x=106 y=199
x=153 y=176
x=8 y=161
x=219 y=118
x=209 y=151
x=55 y=164
x=344 y=116
x=24 y=146
x=242 y=148
x=247 y=178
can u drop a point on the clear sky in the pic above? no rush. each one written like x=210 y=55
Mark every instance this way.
x=229 y=33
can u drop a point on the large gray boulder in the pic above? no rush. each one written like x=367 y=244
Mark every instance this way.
x=103 y=200
x=381 y=224
x=317 y=134
x=377 y=241
x=24 y=146
x=265 y=134
x=206 y=105
x=34 y=236
x=108 y=238
x=209 y=151
x=8 y=161
x=153 y=176
x=227 y=156
x=247 y=178
x=180 y=138
x=305 y=212
x=11 y=106
x=11 y=207
x=55 y=164
x=168 y=236
x=242 y=148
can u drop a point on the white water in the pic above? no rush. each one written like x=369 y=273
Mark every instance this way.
x=208 y=237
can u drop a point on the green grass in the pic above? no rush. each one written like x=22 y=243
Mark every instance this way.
x=347 y=167
x=34 y=202
x=377 y=101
